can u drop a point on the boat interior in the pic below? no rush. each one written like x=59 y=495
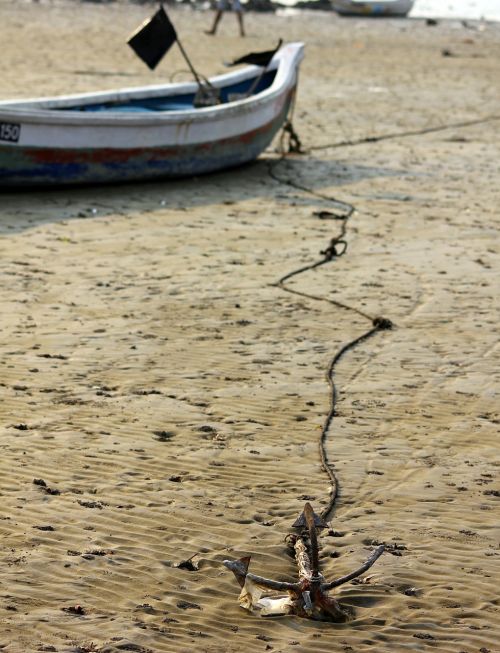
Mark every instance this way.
x=183 y=102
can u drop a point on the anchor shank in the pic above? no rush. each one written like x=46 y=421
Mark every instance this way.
x=313 y=539
x=302 y=559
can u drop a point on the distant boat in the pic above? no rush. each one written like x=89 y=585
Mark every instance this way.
x=372 y=8
x=147 y=132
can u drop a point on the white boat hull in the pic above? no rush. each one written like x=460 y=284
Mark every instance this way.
x=46 y=141
x=372 y=8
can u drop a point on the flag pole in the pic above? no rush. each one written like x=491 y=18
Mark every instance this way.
x=188 y=61
x=262 y=73
x=186 y=58
x=207 y=95
x=257 y=80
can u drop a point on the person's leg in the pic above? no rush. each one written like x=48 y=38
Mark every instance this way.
x=238 y=10
x=239 y=16
x=218 y=16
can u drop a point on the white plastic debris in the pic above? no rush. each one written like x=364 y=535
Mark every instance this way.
x=251 y=599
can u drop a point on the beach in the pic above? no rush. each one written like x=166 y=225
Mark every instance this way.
x=163 y=396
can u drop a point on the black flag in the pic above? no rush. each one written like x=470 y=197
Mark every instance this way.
x=154 y=38
x=257 y=58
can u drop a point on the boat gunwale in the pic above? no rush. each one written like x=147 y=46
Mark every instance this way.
x=285 y=62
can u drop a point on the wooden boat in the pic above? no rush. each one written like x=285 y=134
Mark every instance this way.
x=372 y=7
x=148 y=132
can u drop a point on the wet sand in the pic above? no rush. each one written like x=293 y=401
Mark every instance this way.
x=167 y=397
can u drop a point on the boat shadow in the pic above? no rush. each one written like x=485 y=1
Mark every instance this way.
x=267 y=178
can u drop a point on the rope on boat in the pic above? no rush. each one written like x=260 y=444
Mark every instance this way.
x=294 y=145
